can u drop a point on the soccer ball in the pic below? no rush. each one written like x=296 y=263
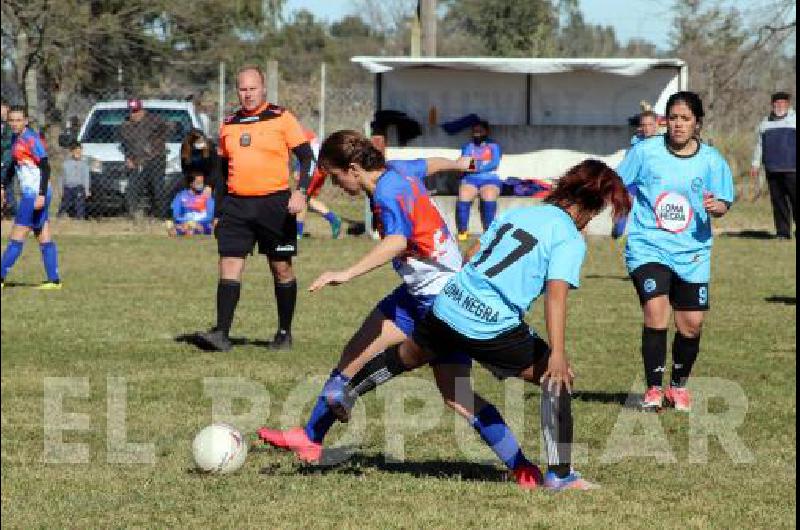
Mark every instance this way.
x=219 y=448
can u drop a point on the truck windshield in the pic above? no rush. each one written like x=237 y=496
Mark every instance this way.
x=104 y=124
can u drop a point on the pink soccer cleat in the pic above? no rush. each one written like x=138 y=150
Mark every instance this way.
x=294 y=440
x=679 y=398
x=528 y=476
x=653 y=398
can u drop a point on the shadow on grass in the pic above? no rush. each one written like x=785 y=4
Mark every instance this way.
x=193 y=340
x=608 y=277
x=749 y=234
x=344 y=460
x=17 y=285
x=625 y=399
x=787 y=300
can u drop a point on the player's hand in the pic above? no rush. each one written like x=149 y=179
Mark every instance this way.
x=329 y=278
x=39 y=203
x=129 y=163
x=207 y=191
x=558 y=373
x=754 y=171
x=297 y=202
x=464 y=163
x=713 y=206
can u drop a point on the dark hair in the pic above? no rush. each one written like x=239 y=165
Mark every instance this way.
x=482 y=123
x=187 y=144
x=18 y=108
x=74 y=145
x=691 y=100
x=591 y=185
x=777 y=96
x=343 y=148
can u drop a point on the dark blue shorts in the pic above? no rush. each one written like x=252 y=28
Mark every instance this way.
x=28 y=216
x=407 y=311
x=480 y=180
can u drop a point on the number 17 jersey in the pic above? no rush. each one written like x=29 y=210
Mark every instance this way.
x=522 y=250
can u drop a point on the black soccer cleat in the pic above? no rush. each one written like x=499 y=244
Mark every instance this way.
x=282 y=341
x=213 y=340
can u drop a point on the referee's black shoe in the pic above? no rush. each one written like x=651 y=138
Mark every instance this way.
x=282 y=341
x=213 y=340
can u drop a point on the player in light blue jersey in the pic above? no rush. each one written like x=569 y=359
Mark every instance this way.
x=681 y=185
x=526 y=253
x=31 y=166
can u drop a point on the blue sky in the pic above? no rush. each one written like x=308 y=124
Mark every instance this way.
x=648 y=19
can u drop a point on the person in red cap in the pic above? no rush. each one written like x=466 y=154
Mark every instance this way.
x=143 y=139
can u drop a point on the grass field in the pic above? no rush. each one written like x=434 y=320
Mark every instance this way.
x=129 y=291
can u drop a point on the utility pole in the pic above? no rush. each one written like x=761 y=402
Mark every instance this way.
x=428 y=27
x=416 y=35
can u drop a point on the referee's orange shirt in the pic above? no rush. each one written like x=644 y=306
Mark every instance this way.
x=257 y=146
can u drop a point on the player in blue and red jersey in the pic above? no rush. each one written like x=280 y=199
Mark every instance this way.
x=415 y=238
x=193 y=209
x=681 y=183
x=480 y=179
x=31 y=166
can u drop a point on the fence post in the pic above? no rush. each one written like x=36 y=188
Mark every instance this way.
x=272 y=82
x=322 y=81
x=221 y=108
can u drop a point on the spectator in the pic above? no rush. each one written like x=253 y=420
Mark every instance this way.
x=75 y=184
x=143 y=139
x=776 y=149
x=197 y=155
x=648 y=126
x=11 y=199
x=481 y=180
x=69 y=135
x=192 y=210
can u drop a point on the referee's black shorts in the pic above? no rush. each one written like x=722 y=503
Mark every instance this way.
x=264 y=220
x=506 y=355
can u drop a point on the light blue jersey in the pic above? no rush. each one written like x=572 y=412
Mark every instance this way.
x=520 y=252
x=669 y=224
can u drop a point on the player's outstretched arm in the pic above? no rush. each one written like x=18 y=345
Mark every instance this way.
x=437 y=164
x=389 y=248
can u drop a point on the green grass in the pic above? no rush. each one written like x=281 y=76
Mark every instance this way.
x=129 y=292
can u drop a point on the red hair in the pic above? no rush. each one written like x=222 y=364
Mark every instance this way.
x=592 y=185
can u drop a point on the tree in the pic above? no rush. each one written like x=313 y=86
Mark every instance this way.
x=505 y=29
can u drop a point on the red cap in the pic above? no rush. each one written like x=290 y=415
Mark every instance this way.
x=134 y=105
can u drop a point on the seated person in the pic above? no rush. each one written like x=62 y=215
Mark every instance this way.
x=193 y=210
x=481 y=180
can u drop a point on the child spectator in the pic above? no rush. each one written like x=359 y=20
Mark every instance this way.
x=75 y=184
x=192 y=210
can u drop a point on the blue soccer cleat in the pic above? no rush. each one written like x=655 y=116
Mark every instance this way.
x=573 y=481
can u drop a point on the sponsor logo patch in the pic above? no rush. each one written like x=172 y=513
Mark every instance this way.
x=673 y=212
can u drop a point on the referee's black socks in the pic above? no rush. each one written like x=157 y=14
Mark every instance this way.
x=228 y=292
x=285 y=298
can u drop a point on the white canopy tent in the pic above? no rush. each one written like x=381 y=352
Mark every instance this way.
x=546 y=114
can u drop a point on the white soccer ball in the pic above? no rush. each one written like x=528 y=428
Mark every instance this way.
x=219 y=448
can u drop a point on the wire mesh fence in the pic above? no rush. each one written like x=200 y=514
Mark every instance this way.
x=135 y=165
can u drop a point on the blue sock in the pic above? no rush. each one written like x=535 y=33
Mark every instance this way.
x=331 y=217
x=10 y=256
x=498 y=436
x=462 y=216
x=322 y=418
x=300 y=225
x=488 y=213
x=50 y=260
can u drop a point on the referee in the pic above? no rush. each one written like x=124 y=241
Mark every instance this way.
x=255 y=204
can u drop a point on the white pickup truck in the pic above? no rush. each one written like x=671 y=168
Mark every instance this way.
x=99 y=137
